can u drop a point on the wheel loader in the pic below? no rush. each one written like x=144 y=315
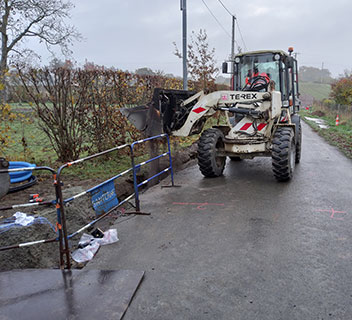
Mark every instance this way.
x=260 y=112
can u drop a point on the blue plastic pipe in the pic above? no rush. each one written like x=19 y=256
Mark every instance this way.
x=20 y=176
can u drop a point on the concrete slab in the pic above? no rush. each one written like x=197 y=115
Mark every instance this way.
x=244 y=246
x=56 y=294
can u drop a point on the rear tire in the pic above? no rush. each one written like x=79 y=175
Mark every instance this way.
x=210 y=164
x=283 y=153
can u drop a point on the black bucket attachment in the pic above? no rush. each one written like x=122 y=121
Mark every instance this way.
x=4 y=178
x=163 y=114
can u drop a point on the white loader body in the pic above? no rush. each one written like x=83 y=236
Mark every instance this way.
x=249 y=135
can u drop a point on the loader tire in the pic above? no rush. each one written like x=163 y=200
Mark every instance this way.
x=283 y=153
x=210 y=164
x=299 y=144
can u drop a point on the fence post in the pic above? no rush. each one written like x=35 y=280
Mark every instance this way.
x=58 y=224
x=135 y=186
x=170 y=160
x=64 y=249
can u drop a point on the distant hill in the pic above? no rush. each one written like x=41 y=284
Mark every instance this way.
x=317 y=91
x=316 y=75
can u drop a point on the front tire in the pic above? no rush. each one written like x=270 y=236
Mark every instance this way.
x=283 y=153
x=210 y=164
x=299 y=144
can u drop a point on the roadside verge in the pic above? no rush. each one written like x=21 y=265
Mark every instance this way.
x=339 y=136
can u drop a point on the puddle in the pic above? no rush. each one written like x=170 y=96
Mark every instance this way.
x=320 y=122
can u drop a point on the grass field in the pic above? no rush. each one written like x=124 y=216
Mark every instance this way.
x=318 y=91
x=28 y=142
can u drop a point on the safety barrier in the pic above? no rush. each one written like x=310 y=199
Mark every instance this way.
x=103 y=195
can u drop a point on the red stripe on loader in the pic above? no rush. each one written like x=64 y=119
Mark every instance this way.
x=246 y=126
x=261 y=126
x=199 y=110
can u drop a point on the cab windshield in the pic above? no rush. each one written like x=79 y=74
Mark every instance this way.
x=257 y=65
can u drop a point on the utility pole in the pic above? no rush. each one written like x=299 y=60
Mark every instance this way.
x=233 y=38
x=184 y=42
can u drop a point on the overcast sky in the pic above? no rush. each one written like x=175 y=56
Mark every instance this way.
x=130 y=34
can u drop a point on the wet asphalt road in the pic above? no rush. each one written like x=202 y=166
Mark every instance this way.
x=244 y=246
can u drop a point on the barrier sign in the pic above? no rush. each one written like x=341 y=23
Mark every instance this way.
x=104 y=198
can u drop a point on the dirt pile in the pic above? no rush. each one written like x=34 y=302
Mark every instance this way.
x=318 y=113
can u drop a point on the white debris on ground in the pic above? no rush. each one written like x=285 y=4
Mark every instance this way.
x=22 y=219
x=320 y=122
x=90 y=245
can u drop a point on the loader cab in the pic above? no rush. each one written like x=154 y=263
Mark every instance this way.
x=278 y=66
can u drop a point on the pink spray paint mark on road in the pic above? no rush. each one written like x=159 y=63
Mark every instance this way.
x=332 y=215
x=200 y=206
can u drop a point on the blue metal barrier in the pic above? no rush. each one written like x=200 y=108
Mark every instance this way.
x=106 y=185
x=138 y=166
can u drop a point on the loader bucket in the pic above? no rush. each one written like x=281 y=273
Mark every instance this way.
x=137 y=116
x=163 y=114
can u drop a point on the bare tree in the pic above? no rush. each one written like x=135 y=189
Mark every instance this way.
x=42 y=19
x=200 y=59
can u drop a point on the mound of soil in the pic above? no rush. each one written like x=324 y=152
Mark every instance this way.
x=78 y=213
x=318 y=113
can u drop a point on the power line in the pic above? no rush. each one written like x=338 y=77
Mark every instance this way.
x=227 y=9
x=216 y=19
x=239 y=29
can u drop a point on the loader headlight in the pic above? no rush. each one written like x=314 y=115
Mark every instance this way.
x=237 y=60
x=277 y=57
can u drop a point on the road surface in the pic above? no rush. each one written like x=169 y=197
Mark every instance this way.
x=244 y=246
